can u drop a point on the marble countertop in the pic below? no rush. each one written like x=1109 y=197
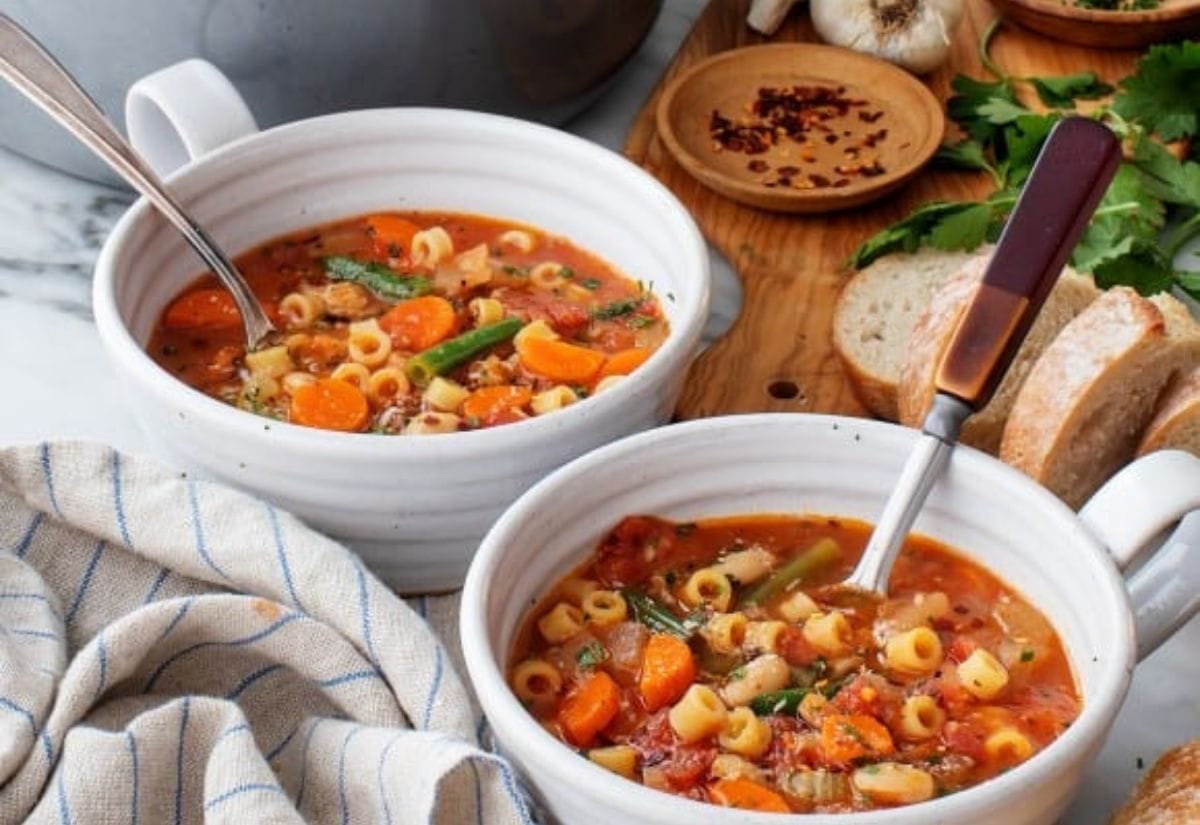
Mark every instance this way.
x=56 y=382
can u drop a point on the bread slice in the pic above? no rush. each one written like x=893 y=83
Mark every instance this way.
x=1176 y=425
x=1085 y=403
x=874 y=319
x=1169 y=794
x=935 y=328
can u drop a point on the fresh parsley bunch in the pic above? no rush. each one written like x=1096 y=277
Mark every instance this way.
x=1124 y=243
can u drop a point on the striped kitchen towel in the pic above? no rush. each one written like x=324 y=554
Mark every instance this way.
x=172 y=651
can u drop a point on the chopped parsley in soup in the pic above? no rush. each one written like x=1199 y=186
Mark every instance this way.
x=719 y=660
x=414 y=323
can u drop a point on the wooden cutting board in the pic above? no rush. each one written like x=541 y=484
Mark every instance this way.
x=778 y=356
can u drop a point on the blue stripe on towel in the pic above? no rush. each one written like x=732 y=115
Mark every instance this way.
x=64 y=808
x=48 y=474
x=353 y=676
x=198 y=530
x=364 y=609
x=118 y=503
x=183 y=720
x=246 y=640
x=5 y=702
x=102 y=657
x=434 y=686
x=183 y=609
x=133 y=756
x=304 y=764
x=159 y=580
x=37 y=634
x=47 y=748
x=27 y=539
x=86 y=582
x=245 y=684
x=281 y=552
x=238 y=791
x=342 y=798
x=514 y=793
x=387 y=811
x=278 y=749
x=238 y=728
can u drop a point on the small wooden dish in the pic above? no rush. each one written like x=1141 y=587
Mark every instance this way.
x=1174 y=20
x=730 y=81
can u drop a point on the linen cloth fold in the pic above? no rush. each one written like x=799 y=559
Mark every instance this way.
x=172 y=651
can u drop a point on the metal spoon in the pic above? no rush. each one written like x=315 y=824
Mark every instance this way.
x=1072 y=172
x=35 y=73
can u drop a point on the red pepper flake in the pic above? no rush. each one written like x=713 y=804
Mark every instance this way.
x=796 y=113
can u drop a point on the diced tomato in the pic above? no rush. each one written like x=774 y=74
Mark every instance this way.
x=960 y=648
x=684 y=766
x=566 y=317
x=795 y=648
x=634 y=549
x=964 y=738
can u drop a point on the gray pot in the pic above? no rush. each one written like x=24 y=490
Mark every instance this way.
x=290 y=59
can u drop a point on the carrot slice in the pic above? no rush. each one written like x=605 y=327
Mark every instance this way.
x=560 y=361
x=590 y=707
x=393 y=234
x=667 y=670
x=845 y=737
x=490 y=404
x=330 y=405
x=203 y=309
x=419 y=323
x=625 y=361
x=746 y=795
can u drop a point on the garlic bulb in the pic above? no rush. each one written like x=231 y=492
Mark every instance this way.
x=914 y=34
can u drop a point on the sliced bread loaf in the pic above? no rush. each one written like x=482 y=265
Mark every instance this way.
x=1176 y=425
x=1085 y=403
x=935 y=328
x=875 y=316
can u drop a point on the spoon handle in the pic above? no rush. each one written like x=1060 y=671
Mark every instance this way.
x=1070 y=176
x=1068 y=180
x=35 y=73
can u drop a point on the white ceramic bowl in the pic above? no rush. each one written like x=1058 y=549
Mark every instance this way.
x=831 y=465
x=415 y=508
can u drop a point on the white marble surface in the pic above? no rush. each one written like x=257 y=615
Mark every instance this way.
x=56 y=383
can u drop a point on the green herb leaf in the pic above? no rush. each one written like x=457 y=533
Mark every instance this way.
x=590 y=655
x=1165 y=177
x=1027 y=655
x=1144 y=267
x=966 y=154
x=1062 y=91
x=566 y=273
x=1162 y=93
x=970 y=96
x=590 y=283
x=377 y=278
x=616 y=309
x=965 y=229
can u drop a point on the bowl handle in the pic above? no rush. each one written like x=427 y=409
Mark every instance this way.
x=1128 y=514
x=183 y=112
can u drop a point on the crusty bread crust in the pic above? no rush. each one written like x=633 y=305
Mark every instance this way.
x=1176 y=425
x=936 y=327
x=1086 y=401
x=874 y=317
x=1169 y=794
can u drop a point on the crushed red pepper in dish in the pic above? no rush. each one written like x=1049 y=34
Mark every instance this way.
x=790 y=124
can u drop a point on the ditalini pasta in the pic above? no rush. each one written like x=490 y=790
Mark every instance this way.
x=718 y=660
x=414 y=323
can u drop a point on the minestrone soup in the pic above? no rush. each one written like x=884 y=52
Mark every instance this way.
x=716 y=660
x=414 y=323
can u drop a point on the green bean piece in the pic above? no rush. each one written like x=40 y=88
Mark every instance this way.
x=657 y=616
x=377 y=278
x=786 y=701
x=440 y=359
x=821 y=555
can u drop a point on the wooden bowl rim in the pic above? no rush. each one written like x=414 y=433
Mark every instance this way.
x=1159 y=16
x=756 y=194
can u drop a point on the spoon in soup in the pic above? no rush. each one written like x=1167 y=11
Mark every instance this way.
x=36 y=74
x=1070 y=176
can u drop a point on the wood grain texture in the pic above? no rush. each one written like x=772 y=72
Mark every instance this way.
x=791 y=266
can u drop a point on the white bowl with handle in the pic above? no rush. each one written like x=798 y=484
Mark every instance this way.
x=414 y=507
x=1069 y=566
